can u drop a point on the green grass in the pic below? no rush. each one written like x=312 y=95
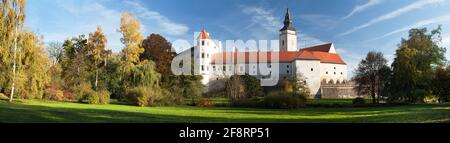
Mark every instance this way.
x=41 y=112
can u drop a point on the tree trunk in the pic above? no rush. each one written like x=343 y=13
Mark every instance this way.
x=96 y=75
x=96 y=79
x=11 y=96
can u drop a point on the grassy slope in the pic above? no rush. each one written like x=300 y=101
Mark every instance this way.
x=40 y=111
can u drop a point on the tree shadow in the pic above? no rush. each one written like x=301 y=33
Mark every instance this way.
x=20 y=113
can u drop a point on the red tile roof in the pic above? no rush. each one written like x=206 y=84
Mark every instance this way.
x=319 y=48
x=204 y=35
x=312 y=53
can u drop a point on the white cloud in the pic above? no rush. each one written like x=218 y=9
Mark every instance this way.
x=416 y=5
x=92 y=14
x=263 y=18
x=168 y=26
x=416 y=25
x=361 y=8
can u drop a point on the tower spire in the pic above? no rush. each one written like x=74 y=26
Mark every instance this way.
x=288 y=22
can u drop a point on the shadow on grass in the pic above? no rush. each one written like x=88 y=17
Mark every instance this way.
x=18 y=113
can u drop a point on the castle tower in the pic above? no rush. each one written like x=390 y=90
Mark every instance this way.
x=206 y=48
x=288 y=35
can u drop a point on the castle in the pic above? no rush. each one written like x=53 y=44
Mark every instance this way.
x=319 y=64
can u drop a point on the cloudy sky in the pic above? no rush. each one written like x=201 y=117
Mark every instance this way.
x=355 y=26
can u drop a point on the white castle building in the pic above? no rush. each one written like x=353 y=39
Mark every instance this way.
x=318 y=64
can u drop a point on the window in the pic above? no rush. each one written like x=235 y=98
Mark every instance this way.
x=334 y=73
x=327 y=72
x=288 y=66
x=203 y=68
x=312 y=69
x=282 y=43
x=230 y=68
x=214 y=68
x=287 y=71
x=342 y=73
x=270 y=65
x=203 y=55
x=334 y=67
x=203 y=43
x=224 y=68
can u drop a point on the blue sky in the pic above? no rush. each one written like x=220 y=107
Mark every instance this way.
x=355 y=26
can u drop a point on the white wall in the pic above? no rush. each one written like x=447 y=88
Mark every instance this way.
x=310 y=69
x=290 y=41
x=335 y=72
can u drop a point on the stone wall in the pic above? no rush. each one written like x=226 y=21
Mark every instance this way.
x=344 y=90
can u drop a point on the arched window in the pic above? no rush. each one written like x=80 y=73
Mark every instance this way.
x=312 y=69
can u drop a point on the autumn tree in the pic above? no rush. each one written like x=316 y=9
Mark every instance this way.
x=414 y=62
x=370 y=75
x=12 y=18
x=35 y=65
x=132 y=39
x=96 y=52
x=159 y=50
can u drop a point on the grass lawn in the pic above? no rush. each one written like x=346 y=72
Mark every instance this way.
x=42 y=111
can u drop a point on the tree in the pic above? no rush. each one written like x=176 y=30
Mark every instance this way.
x=441 y=84
x=96 y=47
x=252 y=86
x=132 y=39
x=145 y=75
x=35 y=65
x=55 y=51
x=297 y=85
x=369 y=76
x=12 y=18
x=235 y=88
x=414 y=62
x=74 y=63
x=159 y=50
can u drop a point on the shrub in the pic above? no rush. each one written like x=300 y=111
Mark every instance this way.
x=359 y=101
x=82 y=90
x=284 y=100
x=69 y=96
x=91 y=98
x=419 y=95
x=104 y=97
x=53 y=94
x=3 y=97
x=205 y=103
x=145 y=96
